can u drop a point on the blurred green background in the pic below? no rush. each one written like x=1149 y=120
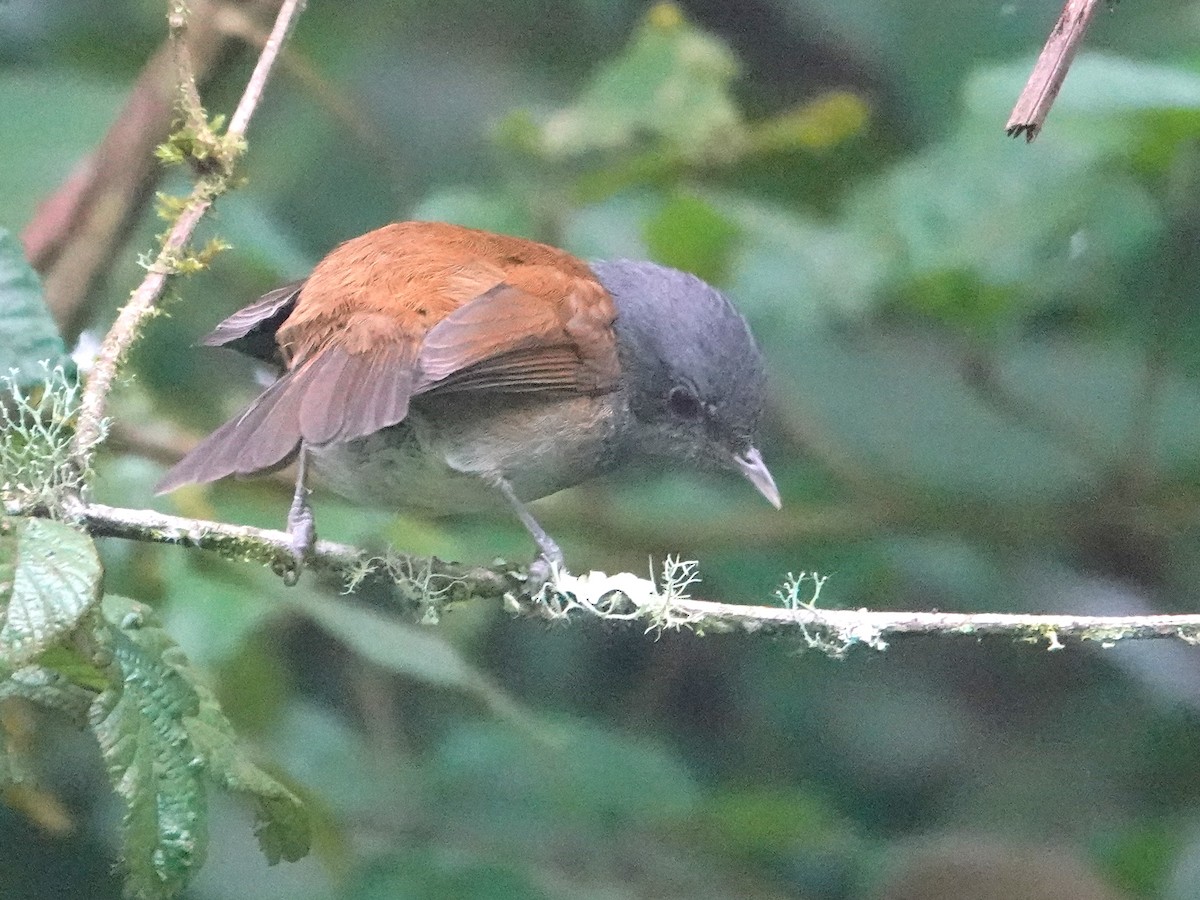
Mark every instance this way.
x=984 y=397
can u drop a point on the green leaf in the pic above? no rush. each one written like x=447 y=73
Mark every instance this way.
x=1109 y=107
x=283 y=828
x=49 y=579
x=53 y=690
x=28 y=335
x=70 y=667
x=160 y=732
x=793 y=268
x=818 y=125
x=138 y=723
x=672 y=83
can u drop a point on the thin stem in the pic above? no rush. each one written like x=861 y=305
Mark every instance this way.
x=1050 y=70
x=288 y=13
x=145 y=297
x=185 y=73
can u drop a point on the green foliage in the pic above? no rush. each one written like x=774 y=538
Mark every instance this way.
x=664 y=109
x=203 y=146
x=1010 y=233
x=39 y=392
x=28 y=337
x=138 y=723
x=160 y=734
x=64 y=681
x=1104 y=90
x=49 y=580
x=282 y=829
x=673 y=83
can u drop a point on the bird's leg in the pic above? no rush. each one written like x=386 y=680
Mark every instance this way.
x=551 y=557
x=301 y=525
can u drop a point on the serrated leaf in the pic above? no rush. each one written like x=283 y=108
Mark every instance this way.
x=54 y=582
x=52 y=690
x=672 y=82
x=283 y=829
x=28 y=335
x=161 y=732
x=149 y=757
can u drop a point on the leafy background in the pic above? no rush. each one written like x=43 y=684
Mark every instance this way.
x=984 y=397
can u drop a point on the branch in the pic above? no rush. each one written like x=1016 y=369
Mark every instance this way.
x=662 y=605
x=144 y=298
x=265 y=546
x=1050 y=70
x=848 y=627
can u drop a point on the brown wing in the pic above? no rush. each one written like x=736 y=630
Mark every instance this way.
x=409 y=308
x=555 y=334
x=251 y=330
x=314 y=402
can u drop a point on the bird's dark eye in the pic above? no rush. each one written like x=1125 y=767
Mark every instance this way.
x=683 y=403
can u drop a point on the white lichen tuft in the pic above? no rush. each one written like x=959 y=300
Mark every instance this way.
x=423 y=587
x=834 y=639
x=37 y=470
x=626 y=596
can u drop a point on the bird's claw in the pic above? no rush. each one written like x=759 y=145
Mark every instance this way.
x=539 y=574
x=302 y=529
x=543 y=569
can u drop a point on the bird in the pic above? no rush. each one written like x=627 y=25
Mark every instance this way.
x=436 y=366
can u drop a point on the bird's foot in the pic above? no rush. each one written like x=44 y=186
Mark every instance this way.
x=543 y=569
x=550 y=559
x=302 y=531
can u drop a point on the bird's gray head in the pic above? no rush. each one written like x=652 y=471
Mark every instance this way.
x=693 y=372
